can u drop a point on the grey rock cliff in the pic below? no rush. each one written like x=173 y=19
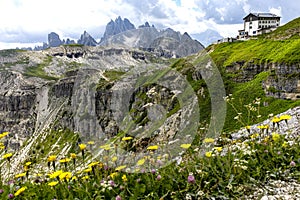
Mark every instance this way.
x=167 y=43
x=116 y=27
x=54 y=40
x=87 y=39
x=283 y=81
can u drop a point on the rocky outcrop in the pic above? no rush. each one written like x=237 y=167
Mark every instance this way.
x=54 y=40
x=282 y=82
x=68 y=41
x=33 y=104
x=87 y=40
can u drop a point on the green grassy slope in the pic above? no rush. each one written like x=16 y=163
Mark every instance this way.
x=289 y=30
x=281 y=46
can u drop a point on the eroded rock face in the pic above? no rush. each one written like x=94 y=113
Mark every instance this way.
x=66 y=92
x=283 y=81
x=54 y=40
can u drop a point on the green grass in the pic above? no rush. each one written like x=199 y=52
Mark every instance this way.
x=10 y=52
x=260 y=51
x=289 y=30
x=246 y=93
x=111 y=76
x=22 y=61
x=38 y=70
x=52 y=143
x=73 y=45
x=230 y=172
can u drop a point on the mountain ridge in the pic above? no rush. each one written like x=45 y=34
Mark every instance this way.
x=123 y=32
x=167 y=41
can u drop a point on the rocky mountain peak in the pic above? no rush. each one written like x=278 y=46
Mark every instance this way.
x=116 y=27
x=54 y=40
x=146 y=25
x=87 y=39
x=186 y=36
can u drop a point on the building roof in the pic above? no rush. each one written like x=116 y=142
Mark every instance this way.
x=262 y=15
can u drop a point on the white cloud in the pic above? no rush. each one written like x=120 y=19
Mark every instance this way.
x=276 y=11
x=31 y=20
x=5 y=45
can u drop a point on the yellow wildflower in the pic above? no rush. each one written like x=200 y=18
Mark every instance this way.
x=26 y=168
x=209 y=140
x=27 y=163
x=105 y=147
x=93 y=164
x=120 y=167
x=113 y=175
x=248 y=127
x=73 y=155
x=263 y=126
x=91 y=142
x=65 y=160
x=276 y=119
x=53 y=183
x=284 y=144
x=141 y=161
x=155 y=147
x=88 y=170
x=65 y=175
x=55 y=174
x=52 y=158
x=2 y=135
x=114 y=159
x=22 y=189
x=85 y=177
x=20 y=175
x=275 y=137
x=285 y=117
x=218 y=149
x=127 y=138
x=82 y=146
x=7 y=156
x=74 y=178
x=254 y=136
x=185 y=146
x=208 y=154
x=124 y=178
x=266 y=139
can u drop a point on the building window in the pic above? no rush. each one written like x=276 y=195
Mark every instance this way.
x=259 y=26
x=254 y=32
x=250 y=27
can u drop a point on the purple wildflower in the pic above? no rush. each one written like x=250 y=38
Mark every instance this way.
x=158 y=177
x=112 y=183
x=118 y=197
x=293 y=164
x=10 y=196
x=191 y=179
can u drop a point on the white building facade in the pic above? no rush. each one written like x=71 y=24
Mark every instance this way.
x=259 y=23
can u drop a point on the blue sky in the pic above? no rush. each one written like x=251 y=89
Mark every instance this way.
x=27 y=22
